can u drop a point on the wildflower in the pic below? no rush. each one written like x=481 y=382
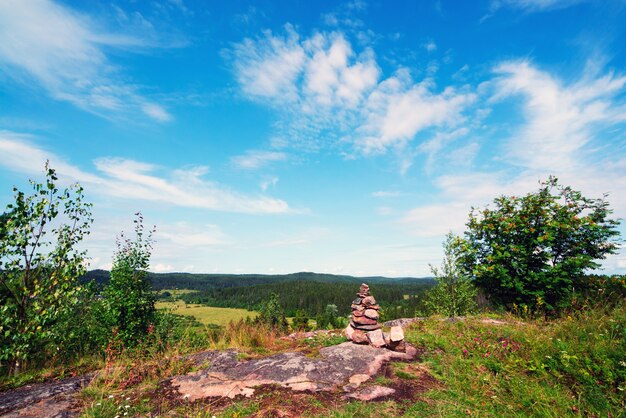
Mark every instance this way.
x=111 y=396
x=465 y=352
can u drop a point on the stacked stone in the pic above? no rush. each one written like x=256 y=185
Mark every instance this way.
x=364 y=316
x=365 y=311
x=364 y=327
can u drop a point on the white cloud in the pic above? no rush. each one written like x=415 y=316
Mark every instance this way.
x=162 y=268
x=254 y=159
x=269 y=182
x=268 y=67
x=63 y=52
x=430 y=46
x=184 y=235
x=399 y=109
x=561 y=119
x=534 y=5
x=326 y=91
x=436 y=220
x=329 y=77
x=128 y=179
x=156 y=112
x=438 y=142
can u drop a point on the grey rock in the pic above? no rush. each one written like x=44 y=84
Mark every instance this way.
x=343 y=365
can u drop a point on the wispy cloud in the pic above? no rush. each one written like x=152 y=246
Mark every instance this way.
x=135 y=180
x=64 y=53
x=325 y=89
x=534 y=5
x=560 y=119
x=254 y=159
x=268 y=182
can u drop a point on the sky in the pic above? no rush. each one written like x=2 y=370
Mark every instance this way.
x=327 y=136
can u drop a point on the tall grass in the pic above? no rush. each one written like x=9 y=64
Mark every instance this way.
x=247 y=335
x=571 y=366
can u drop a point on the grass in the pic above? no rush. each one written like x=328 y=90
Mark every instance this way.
x=207 y=315
x=575 y=366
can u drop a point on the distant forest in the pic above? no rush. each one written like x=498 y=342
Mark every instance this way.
x=310 y=292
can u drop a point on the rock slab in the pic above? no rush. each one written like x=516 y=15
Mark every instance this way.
x=53 y=399
x=346 y=365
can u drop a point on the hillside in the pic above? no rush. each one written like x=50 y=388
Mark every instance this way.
x=202 y=281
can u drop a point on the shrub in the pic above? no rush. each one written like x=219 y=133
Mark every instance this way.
x=534 y=250
x=454 y=294
x=272 y=314
x=129 y=309
x=39 y=268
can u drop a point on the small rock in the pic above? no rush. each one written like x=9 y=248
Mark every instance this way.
x=371 y=392
x=362 y=320
x=349 y=332
x=365 y=327
x=359 y=337
x=371 y=313
x=376 y=338
x=396 y=334
x=399 y=347
x=368 y=301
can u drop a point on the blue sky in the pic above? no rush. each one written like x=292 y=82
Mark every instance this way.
x=340 y=137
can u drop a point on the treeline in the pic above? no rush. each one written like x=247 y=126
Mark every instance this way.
x=396 y=300
x=196 y=281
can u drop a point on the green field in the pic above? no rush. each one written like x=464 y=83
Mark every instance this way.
x=207 y=315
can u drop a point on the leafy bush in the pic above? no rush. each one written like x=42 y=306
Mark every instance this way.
x=330 y=318
x=272 y=314
x=129 y=309
x=534 y=250
x=300 y=321
x=454 y=294
x=39 y=268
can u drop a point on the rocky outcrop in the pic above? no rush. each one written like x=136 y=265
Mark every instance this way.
x=343 y=366
x=54 y=399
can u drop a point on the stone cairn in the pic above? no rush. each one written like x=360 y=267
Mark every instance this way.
x=364 y=327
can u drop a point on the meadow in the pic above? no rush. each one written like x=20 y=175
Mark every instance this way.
x=206 y=315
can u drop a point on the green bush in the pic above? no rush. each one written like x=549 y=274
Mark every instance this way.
x=128 y=304
x=300 y=321
x=534 y=250
x=39 y=269
x=454 y=294
x=272 y=314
